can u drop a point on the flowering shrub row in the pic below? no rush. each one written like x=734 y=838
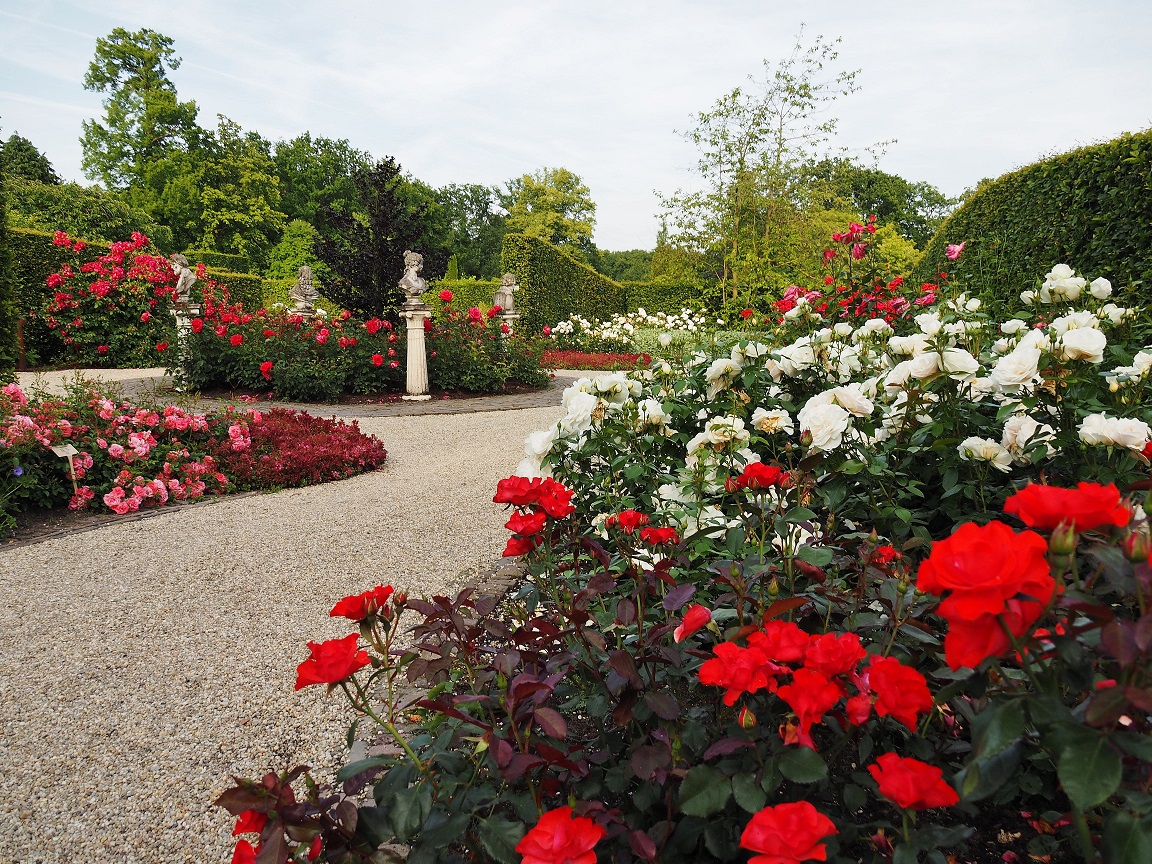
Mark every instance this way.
x=599 y=361
x=130 y=457
x=797 y=600
x=320 y=358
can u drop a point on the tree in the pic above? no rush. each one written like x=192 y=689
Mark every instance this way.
x=316 y=173
x=475 y=227
x=554 y=205
x=240 y=194
x=144 y=121
x=8 y=345
x=755 y=208
x=635 y=265
x=85 y=212
x=365 y=250
x=20 y=158
x=296 y=249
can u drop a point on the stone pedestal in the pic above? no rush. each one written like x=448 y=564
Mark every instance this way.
x=416 y=314
x=183 y=314
x=509 y=318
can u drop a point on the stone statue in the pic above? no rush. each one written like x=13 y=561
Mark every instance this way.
x=304 y=293
x=503 y=297
x=184 y=279
x=412 y=284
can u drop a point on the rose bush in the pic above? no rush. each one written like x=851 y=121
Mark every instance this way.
x=754 y=622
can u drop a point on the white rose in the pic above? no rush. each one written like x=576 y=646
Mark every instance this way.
x=721 y=374
x=928 y=322
x=1013 y=326
x=843 y=329
x=772 y=421
x=652 y=413
x=985 y=450
x=1034 y=338
x=1143 y=361
x=1027 y=297
x=959 y=364
x=827 y=425
x=724 y=430
x=1001 y=346
x=578 y=418
x=1018 y=369
x=1022 y=432
x=1127 y=432
x=898 y=376
x=1115 y=314
x=924 y=366
x=1083 y=344
x=853 y=401
x=1074 y=321
x=614 y=388
x=1100 y=288
x=913 y=345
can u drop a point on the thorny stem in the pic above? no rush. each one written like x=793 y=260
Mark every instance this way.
x=362 y=705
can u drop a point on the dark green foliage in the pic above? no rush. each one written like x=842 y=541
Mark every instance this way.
x=366 y=254
x=465 y=292
x=19 y=157
x=553 y=285
x=219 y=260
x=1089 y=209
x=245 y=288
x=635 y=265
x=8 y=316
x=659 y=297
x=315 y=173
x=475 y=226
x=80 y=211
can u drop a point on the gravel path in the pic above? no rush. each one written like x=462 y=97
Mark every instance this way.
x=143 y=663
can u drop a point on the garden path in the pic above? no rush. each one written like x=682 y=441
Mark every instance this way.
x=144 y=662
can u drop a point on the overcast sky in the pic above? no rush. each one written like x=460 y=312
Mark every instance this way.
x=479 y=92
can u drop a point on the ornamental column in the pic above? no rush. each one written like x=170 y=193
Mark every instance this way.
x=416 y=313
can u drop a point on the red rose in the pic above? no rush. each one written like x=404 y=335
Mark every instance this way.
x=900 y=690
x=757 y=475
x=787 y=834
x=911 y=784
x=628 y=520
x=372 y=325
x=197 y=325
x=558 y=838
x=991 y=575
x=145 y=317
x=1086 y=508
x=783 y=641
x=810 y=695
x=268 y=334
x=527 y=524
x=101 y=349
x=331 y=662
x=746 y=313
x=266 y=370
x=659 y=536
x=552 y=497
x=446 y=296
x=236 y=339
x=243 y=853
x=377 y=359
x=519 y=546
x=493 y=312
x=345 y=315
x=695 y=618
x=250 y=822
x=738 y=670
x=360 y=606
x=834 y=654
x=161 y=346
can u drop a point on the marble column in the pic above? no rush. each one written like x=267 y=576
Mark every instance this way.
x=416 y=314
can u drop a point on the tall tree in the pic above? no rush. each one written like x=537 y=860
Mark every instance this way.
x=754 y=143
x=240 y=194
x=634 y=265
x=365 y=250
x=8 y=345
x=315 y=173
x=20 y=158
x=475 y=226
x=144 y=120
x=554 y=205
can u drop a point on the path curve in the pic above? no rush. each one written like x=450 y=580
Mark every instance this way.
x=143 y=663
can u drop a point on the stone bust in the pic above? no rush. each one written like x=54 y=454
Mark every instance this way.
x=304 y=293
x=185 y=277
x=411 y=283
x=503 y=296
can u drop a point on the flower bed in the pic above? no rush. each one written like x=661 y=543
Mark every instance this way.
x=320 y=358
x=131 y=457
x=599 y=361
x=798 y=601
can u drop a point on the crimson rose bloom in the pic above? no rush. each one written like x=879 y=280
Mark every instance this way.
x=236 y=339
x=628 y=520
x=266 y=370
x=360 y=606
x=834 y=654
x=781 y=641
x=1087 y=507
x=694 y=618
x=197 y=325
x=911 y=784
x=446 y=296
x=554 y=498
x=377 y=359
x=757 y=475
x=519 y=546
x=738 y=670
x=787 y=834
x=900 y=690
x=990 y=575
x=558 y=838
x=810 y=695
x=527 y=523
x=331 y=661
x=659 y=536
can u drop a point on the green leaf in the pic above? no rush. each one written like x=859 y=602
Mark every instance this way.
x=361 y=765
x=748 y=793
x=499 y=837
x=819 y=556
x=1088 y=766
x=799 y=514
x=410 y=810
x=981 y=777
x=704 y=791
x=802 y=765
x=1127 y=839
x=997 y=727
x=372 y=824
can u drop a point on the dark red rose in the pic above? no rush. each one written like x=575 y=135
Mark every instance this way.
x=911 y=784
x=331 y=662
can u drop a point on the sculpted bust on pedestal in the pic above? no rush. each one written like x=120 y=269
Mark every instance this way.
x=412 y=284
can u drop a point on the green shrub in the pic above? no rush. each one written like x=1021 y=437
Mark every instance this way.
x=553 y=285
x=660 y=297
x=465 y=292
x=8 y=314
x=219 y=261
x=81 y=211
x=275 y=291
x=244 y=288
x=1088 y=209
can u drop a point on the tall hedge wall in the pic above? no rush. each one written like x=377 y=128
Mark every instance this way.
x=657 y=297
x=553 y=285
x=219 y=260
x=466 y=293
x=245 y=288
x=34 y=258
x=8 y=315
x=1090 y=209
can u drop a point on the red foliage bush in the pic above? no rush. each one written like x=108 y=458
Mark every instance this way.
x=584 y=360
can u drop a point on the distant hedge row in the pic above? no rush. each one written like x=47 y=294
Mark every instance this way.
x=657 y=297
x=466 y=293
x=1090 y=209
x=220 y=260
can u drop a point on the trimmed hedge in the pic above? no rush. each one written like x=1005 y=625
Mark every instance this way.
x=554 y=285
x=655 y=297
x=466 y=292
x=8 y=315
x=243 y=288
x=34 y=258
x=219 y=261
x=1090 y=209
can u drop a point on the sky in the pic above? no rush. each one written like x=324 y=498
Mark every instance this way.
x=467 y=91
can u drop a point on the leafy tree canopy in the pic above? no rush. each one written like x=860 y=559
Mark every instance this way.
x=315 y=173
x=552 y=204
x=634 y=265
x=19 y=157
x=87 y=212
x=475 y=226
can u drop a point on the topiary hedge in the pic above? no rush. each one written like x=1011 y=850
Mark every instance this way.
x=655 y=297
x=243 y=288
x=1089 y=209
x=466 y=293
x=219 y=260
x=8 y=315
x=34 y=258
x=554 y=285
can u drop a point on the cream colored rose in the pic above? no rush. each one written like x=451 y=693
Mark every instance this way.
x=928 y=322
x=985 y=450
x=1100 y=429
x=1100 y=288
x=959 y=364
x=1022 y=432
x=827 y=425
x=578 y=418
x=924 y=366
x=1083 y=344
x=1020 y=368
x=772 y=421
